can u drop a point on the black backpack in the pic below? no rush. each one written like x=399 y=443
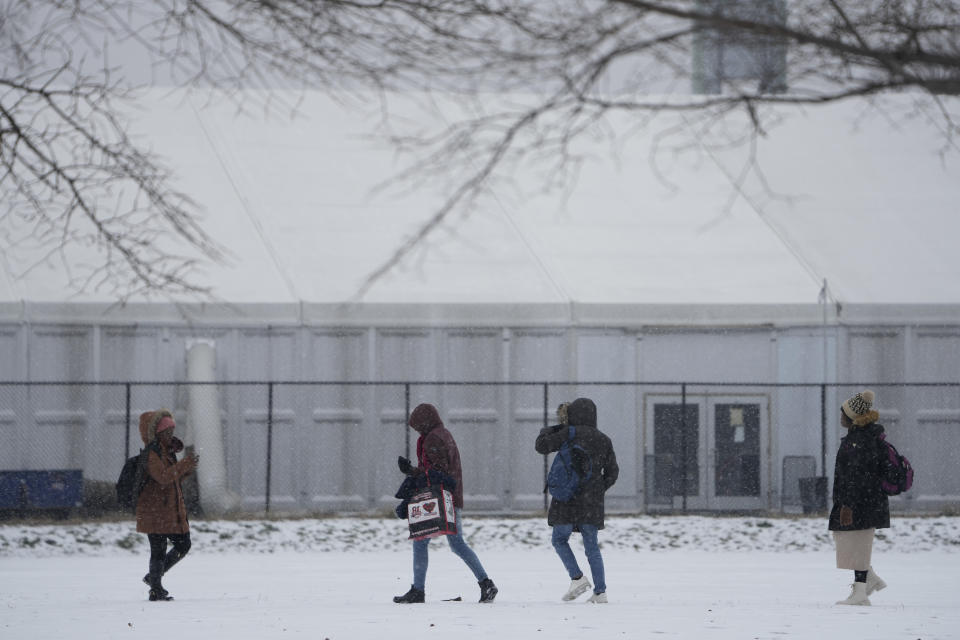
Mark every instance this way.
x=133 y=477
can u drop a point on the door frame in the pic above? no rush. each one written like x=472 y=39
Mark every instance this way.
x=707 y=500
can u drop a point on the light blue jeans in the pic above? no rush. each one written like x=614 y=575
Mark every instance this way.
x=421 y=550
x=561 y=542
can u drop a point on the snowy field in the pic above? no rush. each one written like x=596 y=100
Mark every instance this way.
x=670 y=577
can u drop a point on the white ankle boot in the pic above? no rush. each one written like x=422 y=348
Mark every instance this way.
x=577 y=587
x=598 y=598
x=874 y=582
x=858 y=595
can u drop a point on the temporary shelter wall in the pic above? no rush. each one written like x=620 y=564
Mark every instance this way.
x=656 y=267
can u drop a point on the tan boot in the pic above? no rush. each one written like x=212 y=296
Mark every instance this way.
x=858 y=595
x=874 y=582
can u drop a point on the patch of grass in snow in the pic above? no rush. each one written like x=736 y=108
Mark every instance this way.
x=129 y=541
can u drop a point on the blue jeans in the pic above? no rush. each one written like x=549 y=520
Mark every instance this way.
x=561 y=542
x=457 y=545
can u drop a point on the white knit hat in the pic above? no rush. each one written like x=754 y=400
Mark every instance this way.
x=859 y=408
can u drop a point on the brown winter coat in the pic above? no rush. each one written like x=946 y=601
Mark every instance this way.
x=436 y=448
x=161 y=508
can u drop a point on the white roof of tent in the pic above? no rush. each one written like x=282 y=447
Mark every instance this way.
x=856 y=196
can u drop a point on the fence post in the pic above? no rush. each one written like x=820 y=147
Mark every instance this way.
x=546 y=423
x=269 y=443
x=823 y=429
x=126 y=438
x=683 y=442
x=406 y=416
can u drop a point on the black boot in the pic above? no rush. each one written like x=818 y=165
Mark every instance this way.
x=488 y=590
x=410 y=597
x=158 y=587
x=160 y=595
x=157 y=592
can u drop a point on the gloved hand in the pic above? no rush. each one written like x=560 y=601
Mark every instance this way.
x=846 y=516
x=405 y=465
x=554 y=428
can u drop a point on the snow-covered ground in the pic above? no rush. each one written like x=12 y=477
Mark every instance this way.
x=682 y=577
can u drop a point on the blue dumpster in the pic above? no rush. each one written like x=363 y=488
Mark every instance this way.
x=46 y=489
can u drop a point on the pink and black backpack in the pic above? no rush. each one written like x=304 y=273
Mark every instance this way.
x=897 y=472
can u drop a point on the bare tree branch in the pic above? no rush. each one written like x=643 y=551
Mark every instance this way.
x=533 y=78
x=830 y=68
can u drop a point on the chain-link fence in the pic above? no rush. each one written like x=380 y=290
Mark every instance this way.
x=320 y=447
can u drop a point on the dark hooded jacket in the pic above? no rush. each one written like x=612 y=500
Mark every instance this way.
x=436 y=448
x=587 y=506
x=857 y=478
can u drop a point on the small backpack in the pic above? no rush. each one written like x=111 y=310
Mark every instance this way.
x=133 y=477
x=897 y=471
x=564 y=481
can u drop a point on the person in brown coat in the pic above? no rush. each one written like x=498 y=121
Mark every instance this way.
x=161 y=510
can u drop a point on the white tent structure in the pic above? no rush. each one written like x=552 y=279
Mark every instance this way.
x=663 y=262
x=860 y=196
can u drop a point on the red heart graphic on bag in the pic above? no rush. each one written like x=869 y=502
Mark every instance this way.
x=429 y=507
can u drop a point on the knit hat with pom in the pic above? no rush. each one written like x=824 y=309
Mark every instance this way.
x=859 y=408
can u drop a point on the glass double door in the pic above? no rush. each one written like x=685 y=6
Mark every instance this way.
x=706 y=454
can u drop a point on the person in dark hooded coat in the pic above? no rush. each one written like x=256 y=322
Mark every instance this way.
x=860 y=506
x=585 y=511
x=437 y=451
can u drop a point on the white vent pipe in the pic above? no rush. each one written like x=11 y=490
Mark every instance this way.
x=206 y=427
